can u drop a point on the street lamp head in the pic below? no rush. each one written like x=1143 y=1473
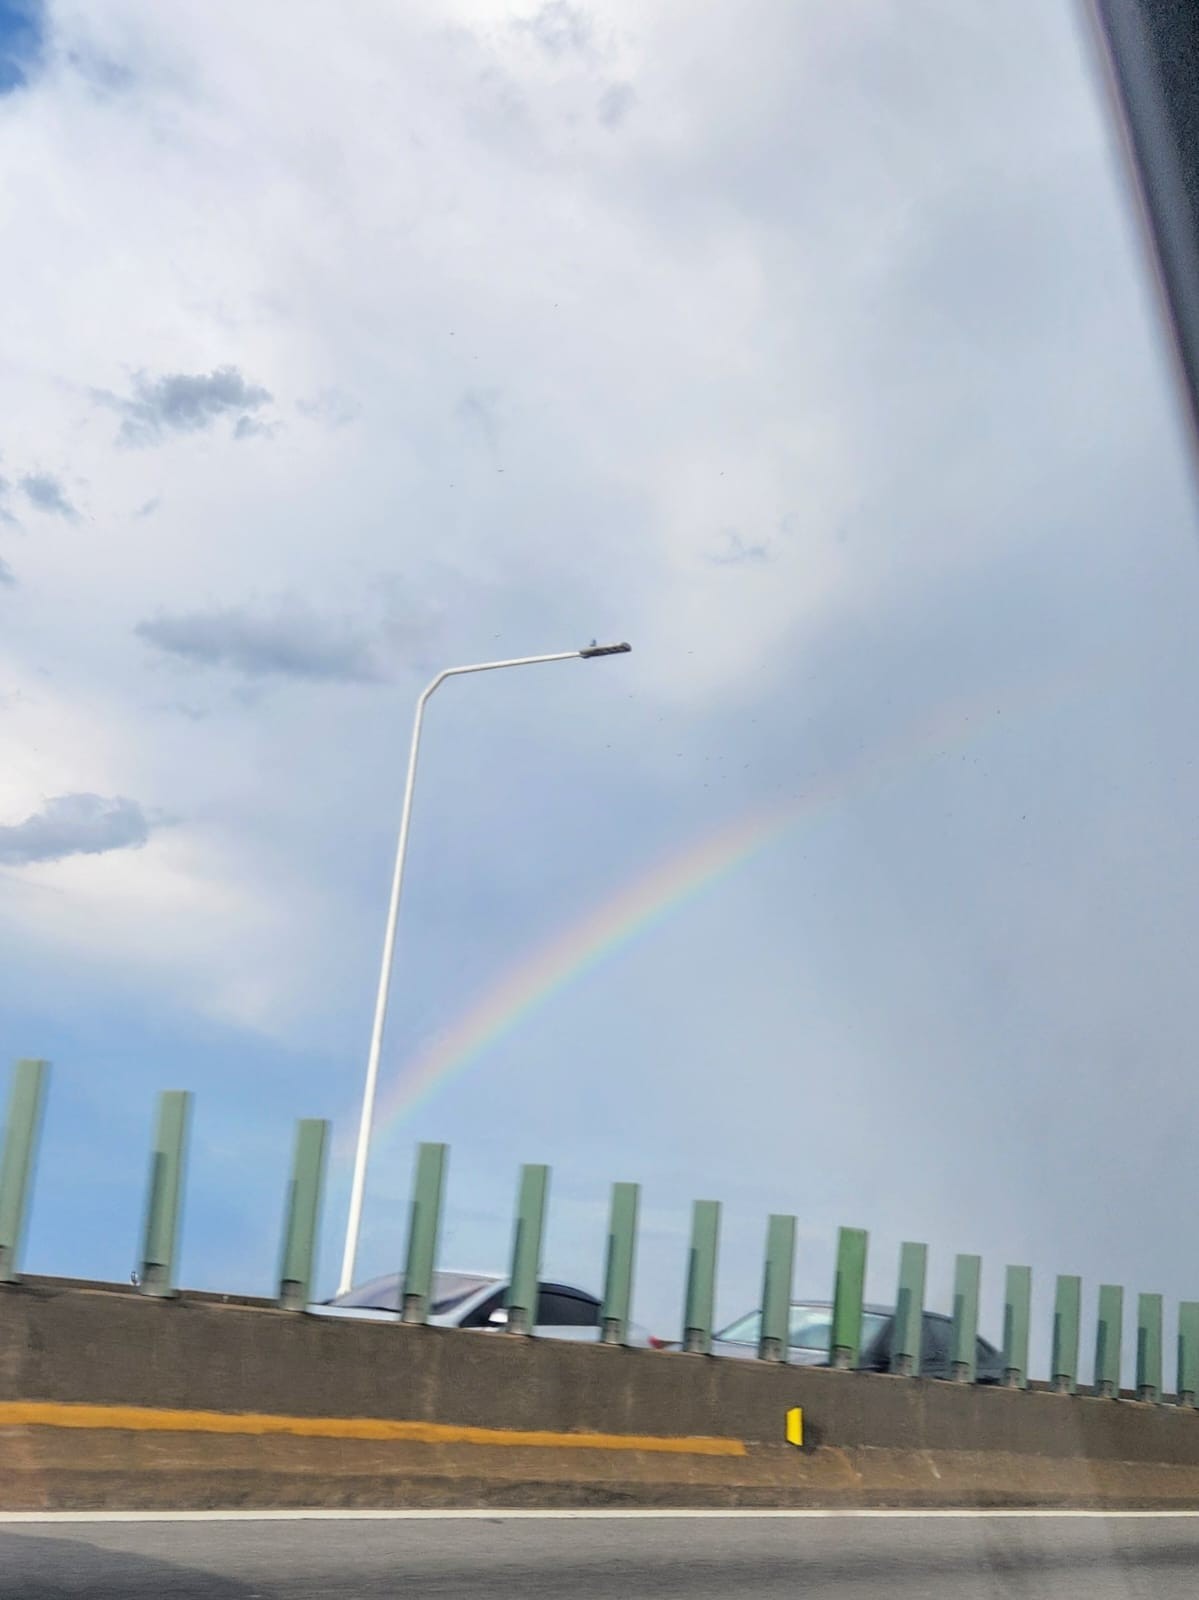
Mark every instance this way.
x=605 y=650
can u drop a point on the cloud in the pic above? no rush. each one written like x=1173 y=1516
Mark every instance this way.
x=253 y=428
x=295 y=643
x=7 y=577
x=45 y=491
x=73 y=825
x=617 y=100
x=183 y=402
x=736 y=553
x=5 y=514
x=560 y=29
x=184 y=708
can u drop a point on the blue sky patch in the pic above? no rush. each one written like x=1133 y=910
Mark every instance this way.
x=22 y=34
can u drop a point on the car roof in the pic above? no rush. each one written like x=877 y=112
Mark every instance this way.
x=827 y=1305
x=448 y=1282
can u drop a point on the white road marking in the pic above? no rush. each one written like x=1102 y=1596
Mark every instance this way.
x=599 y=1514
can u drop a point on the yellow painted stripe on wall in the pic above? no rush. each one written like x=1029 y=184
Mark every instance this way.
x=144 y=1419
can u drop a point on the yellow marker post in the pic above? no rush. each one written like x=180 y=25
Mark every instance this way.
x=795 y=1426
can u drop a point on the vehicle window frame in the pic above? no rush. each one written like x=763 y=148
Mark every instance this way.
x=571 y=1297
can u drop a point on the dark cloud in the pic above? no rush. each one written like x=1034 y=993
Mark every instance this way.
x=183 y=402
x=560 y=29
x=45 y=491
x=294 y=643
x=617 y=100
x=73 y=825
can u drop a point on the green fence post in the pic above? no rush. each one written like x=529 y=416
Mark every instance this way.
x=963 y=1338
x=424 y=1220
x=618 y=1263
x=701 y=1277
x=849 y=1287
x=777 y=1274
x=1149 y=1347
x=1017 y=1307
x=164 y=1193
x=1063 y=1360
x=26 y=1099
x=907 y=1332
x=1188 y=1352
x=297 y=1267
x=524 y=1286
x=1109 y=1341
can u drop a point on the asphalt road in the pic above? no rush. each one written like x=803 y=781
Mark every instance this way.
x=609 y=1558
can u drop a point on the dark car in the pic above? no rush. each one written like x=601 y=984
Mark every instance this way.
x=811 y=1326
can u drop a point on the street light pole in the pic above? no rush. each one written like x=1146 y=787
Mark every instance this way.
x=358 y=1184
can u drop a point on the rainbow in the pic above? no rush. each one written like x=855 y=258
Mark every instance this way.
x=648 y=899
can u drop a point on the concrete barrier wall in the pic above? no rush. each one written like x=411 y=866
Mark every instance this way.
x=110 y=1399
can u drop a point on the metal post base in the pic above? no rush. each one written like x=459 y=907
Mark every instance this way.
x=154 y=1281
x=1105 y=1389
x=291 y=1295
x=611 y=1332
x=959 y=1372
x=902 y=1366
x=770 y=1350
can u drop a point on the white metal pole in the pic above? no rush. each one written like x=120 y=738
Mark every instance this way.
x=358 y=1182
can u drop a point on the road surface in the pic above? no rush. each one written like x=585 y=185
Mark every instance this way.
x=604 y=1557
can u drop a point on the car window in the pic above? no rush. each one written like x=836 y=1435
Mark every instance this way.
x=558 y=1309
x=810 y=1328
x=935 y=1351
x=746 y=1329
x=986 y=1356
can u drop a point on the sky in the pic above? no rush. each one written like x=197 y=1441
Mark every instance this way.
x=811 y=350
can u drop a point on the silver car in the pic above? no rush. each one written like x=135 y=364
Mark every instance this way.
x=477 y=1300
